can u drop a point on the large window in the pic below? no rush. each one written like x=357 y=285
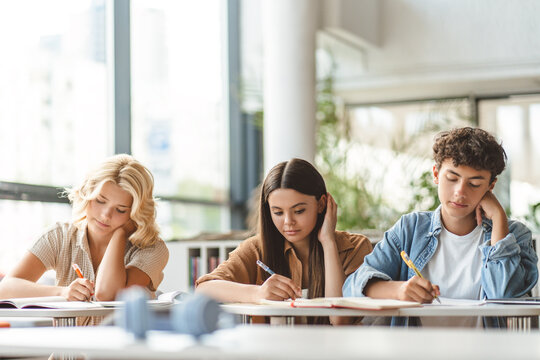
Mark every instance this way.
x=381 y=167
x=53 y=117
x=53 y=93
x=516 y=121
x=179 y=109
x=56 y=118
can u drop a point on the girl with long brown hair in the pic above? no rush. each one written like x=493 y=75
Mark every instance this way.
x=296 y=239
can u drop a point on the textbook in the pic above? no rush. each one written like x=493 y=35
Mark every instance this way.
x=46 y=302
x=361 y=303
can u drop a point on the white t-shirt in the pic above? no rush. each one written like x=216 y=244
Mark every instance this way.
x=456 y=268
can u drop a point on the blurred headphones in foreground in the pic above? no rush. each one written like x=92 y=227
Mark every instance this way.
x=196 y=315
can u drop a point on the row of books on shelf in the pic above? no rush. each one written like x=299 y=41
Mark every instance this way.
x=195 y=270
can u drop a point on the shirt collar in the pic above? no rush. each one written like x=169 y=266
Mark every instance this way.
x=82 y=238
x=436 y=222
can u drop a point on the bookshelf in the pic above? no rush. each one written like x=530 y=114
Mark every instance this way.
x=190 y=259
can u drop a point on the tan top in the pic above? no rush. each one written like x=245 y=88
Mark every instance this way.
x=241 y=266
x=65 y=244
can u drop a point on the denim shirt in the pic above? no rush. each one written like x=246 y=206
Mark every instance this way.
x=509 y=268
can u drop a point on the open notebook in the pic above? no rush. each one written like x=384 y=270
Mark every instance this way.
x=364 y=303
x=59 y=302
x=46 y=302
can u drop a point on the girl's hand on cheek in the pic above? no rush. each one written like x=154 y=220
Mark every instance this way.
x=328 y=228
x=127 y=229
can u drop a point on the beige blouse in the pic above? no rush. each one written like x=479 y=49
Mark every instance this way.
x=66 y=243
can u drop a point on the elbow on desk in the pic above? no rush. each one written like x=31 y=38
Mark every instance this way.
x=103 y=295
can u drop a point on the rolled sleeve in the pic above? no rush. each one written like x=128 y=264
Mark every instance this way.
x=47 y=247
x=502 y=249
x=356 y=282
x=150 y=260
x=510 y=266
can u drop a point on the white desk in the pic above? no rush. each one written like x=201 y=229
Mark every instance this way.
x=61 y=317
x=518 y=313
x=266 y=342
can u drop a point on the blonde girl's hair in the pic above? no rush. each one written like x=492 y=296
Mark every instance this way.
x=126 y=172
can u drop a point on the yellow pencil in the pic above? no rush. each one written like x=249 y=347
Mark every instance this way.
x=411 y=265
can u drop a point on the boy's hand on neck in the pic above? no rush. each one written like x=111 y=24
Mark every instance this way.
x=492 y=209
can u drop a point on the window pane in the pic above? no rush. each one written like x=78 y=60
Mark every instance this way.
x=179 y=109
x=516 y=121
x=24 y=222
x=53 y=121
x=180 y=220
x=380 y=166
x=180 y=127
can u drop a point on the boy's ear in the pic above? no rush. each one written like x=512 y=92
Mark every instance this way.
x=321 y=204
x=435 y=175
x=492 y=185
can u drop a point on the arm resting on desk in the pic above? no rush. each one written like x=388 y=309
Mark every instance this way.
x=21 y=282
x=229 y=291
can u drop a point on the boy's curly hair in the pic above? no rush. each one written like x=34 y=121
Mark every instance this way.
x=470 y=147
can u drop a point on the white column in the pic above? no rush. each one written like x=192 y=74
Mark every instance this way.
x=289 y=30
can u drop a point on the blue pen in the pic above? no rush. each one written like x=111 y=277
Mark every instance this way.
x=265 y=267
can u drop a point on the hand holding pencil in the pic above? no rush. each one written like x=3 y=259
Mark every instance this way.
x=276 y=287
x=81 y=289
x=417 y=288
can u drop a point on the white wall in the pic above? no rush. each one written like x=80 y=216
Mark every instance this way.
x=433 y=48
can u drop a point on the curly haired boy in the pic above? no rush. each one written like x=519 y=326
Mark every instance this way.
x=467 y=248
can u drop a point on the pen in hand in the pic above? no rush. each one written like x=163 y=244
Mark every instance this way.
x=288 y=281
x=265 y=267
x=411 y=265
x=79 y=272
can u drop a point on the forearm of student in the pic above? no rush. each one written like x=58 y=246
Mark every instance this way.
x=334 y=278
x=13 y=287
x=334 y=274
x=112 y=274
x=499 y=227
x=228 y=291
x=382 y=289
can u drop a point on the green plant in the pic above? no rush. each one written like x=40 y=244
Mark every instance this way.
x=424 y=193
x=533 y=218
x=359 y=208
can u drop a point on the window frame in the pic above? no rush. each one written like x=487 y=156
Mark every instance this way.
x=244 y=141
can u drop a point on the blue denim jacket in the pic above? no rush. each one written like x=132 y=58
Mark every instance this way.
x=509 y=267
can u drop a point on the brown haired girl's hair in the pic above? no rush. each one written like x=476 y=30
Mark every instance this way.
x=470 y=147
x=299 y=175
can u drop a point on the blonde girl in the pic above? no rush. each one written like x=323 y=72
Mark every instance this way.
x=113 y=238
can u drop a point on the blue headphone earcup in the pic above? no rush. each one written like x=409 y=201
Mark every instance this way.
x=197 y=315
x=134 y=317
